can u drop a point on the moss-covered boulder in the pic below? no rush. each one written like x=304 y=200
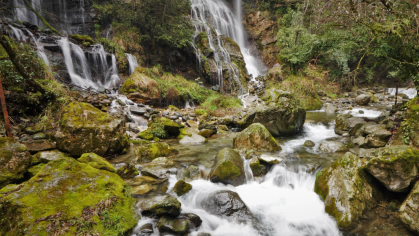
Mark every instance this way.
x=181 y=188
x=410 y=127
x=394 y=166
x=409 y=211
x=141 y=88
x=152 y=151
x=85 y=129
x=228 y=168
x=164 y=205
x=347 y=189
x=127 y=170
x=96 y=161
x=255 y=137
x=68 y=198
x=257 y=168
x=15 y=160
x=34 y=170
x=347 y=123
x=163 y=128
x=282 y=115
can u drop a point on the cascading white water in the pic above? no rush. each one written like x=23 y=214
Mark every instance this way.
x=284 y=202
x=40 y=47
x=18 y=34
x=22 y=12
x=217 y=14
x=132 y=61
x=411 y=93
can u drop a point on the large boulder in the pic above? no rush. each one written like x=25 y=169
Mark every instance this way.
x=409 y=211
x=347 y=190
x=228 y=168
x=255 y=137
x=164 y=205
x=140 y=88
x=66 y=198
x=15 y=160
x=396 y=167
x=377 y=135
x=227 y=204
x=152 y=151
x=282 y=116
x=345 y=122
x=363 y=99
x=85 y=129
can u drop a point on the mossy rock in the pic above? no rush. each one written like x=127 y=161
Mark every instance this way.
x=181 y=188
x=183 y=133
x=176 y=226
x=228 y=168
x=97 y=162
x=86 y=40
x=173 y=108
x=256 y=137
x=396 y=167
x=86 y=129
x=34 y=170
x=152 y=151
x=410 y=127
x=146 y=134
x=257 y=168
x=409 y=211
x=15 y=161
x=66 y=192
x=47 y=156
x=347 y=190
x=141 y=88
x=127 y=171
x=165 y=205
x=172 y=128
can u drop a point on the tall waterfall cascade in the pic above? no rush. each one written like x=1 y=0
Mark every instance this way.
x=216 y=19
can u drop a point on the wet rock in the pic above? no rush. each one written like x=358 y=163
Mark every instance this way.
x=35 y=146
x=164 y=205
x=80 y=190
x=176 y=226
x=138 y=111
x=227 y=204
x=192 y=140
x=127 y=171
x=157 y=171
x=409 y=211
x=152 y=151
x=360 y=141
x=378 y=136
x=47 y=156
x=141 y=185
x=332 y=146
x=206 y=133
x=15 y=160
x=39 y=136
x=228 y=168
x=208 y=126
x=191 y=173
x=181 y=188
x=309 y=143
x=204 y=234
x=146 y=230
x=84 y=129
x=133 y=127
x=257 y=168
x=270 y=160
x=97 y=162
x=394 y=166
x=347 y=190
x=228 y=121
x=255 y=137
x=345 y=122
x=282 y=116
x=363 y=99
x=330 y=109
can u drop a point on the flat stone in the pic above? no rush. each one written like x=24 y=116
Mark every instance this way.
x=138 y=111
x=39 y=145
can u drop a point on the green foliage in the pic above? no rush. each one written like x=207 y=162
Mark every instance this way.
x=159 y=21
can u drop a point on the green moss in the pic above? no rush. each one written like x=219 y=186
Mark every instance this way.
x=96 y=161
x=154 y=150
x=173 y=108
x=77 y=192
x=183 y=133
x=227 y=170
x=146 y=134
x=320 y=186
x=86 y=40
x=333 y=211
x=181 y=188
x=36 y=169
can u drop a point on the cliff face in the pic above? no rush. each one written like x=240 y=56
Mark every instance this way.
x=262 y=31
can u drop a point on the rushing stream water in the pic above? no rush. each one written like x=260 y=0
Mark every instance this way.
x=284 y=201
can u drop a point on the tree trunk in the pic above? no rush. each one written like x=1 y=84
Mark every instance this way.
x=6 y=115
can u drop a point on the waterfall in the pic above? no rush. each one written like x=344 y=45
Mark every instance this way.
x=22 y=12
x=40 y=47
x=132 y=61
x=411 y=93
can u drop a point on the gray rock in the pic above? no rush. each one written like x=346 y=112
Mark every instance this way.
x=332 y=146
x=228 y=205
x=309 y=143
x=39 y=136
x=330 y=109
x=409 y=211
x=165 y=205
x=195 y=139
x=138 y=111
x=228 y=168
x=363 y=99
x=47 y=156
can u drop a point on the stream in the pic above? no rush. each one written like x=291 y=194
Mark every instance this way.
x=284 y=201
